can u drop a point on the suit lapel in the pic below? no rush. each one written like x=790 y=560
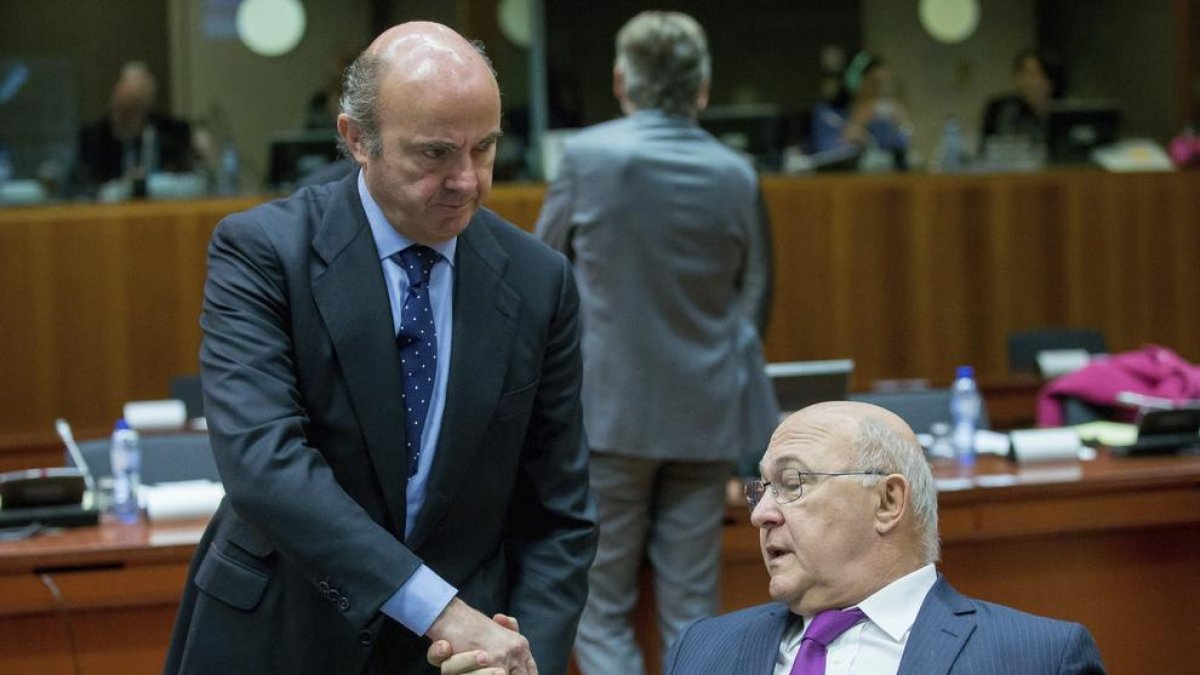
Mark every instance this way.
x=351 y=295
x=945 y=622
x=764 y=636
x=485 y=308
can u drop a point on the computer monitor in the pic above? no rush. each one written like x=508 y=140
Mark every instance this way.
x=756 y=130
x=295 y=154
x=1074 y=129
x=799 y=384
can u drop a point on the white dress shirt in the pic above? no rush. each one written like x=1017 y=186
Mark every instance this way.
x=873 y=646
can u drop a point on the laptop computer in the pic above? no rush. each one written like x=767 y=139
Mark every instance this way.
x=1163 y=432
x=799 y=384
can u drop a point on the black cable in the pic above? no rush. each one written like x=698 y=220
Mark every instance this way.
x=65 y=613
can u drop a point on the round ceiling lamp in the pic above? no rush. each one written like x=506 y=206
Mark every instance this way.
x=950 y=21
x=270 y=27
x=513 y=16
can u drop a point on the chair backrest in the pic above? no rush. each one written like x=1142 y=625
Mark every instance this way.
x=187 y=388
x=165 y=458
x=919 y=408
x=1023 y=346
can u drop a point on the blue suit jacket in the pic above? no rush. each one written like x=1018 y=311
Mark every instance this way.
x=952 y=634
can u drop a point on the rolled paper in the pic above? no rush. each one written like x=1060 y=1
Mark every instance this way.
x=1045 y=444
x=182 y=500
x=164 y=415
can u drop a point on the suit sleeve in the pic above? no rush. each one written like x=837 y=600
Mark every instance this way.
x=275 y=481
x=1081 y=655
x=552 y=533
x=554 y=222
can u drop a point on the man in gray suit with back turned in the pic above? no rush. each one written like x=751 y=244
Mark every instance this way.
x=666 y=232
x=847 y=518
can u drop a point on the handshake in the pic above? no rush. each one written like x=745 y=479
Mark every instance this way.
x=466 y=642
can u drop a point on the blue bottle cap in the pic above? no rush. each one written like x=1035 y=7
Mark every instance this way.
x=965 y=371
x=121 y=424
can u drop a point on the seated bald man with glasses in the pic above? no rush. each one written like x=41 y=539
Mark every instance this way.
x=847 y=518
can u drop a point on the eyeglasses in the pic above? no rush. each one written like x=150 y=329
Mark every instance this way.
x=789 y=486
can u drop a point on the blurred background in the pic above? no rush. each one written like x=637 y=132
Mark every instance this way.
x=260 y=122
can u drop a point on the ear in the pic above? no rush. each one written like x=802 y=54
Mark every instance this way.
x=352 y=134
x=893 y=494
x=702 y=97
x=619 y=85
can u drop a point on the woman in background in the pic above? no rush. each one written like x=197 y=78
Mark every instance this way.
x=1038 y=82
x=864 y=114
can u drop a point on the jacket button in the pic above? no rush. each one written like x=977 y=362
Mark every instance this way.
x=344 y=605
x=365 y=638
x=324 y=588
x=333 y=595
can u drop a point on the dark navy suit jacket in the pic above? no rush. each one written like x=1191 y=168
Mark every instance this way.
x=302 y=392
x=953 y=634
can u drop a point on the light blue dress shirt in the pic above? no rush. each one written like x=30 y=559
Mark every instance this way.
x=425 y=594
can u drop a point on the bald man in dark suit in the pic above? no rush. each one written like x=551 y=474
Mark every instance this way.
x=391 y=379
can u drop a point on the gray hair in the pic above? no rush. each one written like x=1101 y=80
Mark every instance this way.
x=880 y=447
x=360 y=97
x=663 y=57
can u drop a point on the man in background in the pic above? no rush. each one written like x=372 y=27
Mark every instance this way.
x=391 y=379
x=847 y=518
x=132 y=140
x=669 y=242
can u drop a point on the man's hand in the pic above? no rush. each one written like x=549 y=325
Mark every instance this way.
x=465 y=641
x=466 y=663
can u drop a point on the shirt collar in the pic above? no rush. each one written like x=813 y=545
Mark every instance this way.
x=893 y=608
x=388 y=241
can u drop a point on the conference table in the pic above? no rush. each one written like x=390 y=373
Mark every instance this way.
x=1112 y=542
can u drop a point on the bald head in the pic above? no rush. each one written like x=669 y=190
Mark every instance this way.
x=865 y=436
x=131 y=101
x=421 y=50
x=420 y=56
x=854 y=506
x=843 y=417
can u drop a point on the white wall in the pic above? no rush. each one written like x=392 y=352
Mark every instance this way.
x=937 y=80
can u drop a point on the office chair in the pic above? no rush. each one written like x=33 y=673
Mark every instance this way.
x=187 y=388
x=165 y=458
x=1023 y=346
x=920 y=408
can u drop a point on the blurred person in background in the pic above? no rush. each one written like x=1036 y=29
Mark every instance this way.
x=132 y=140
x=1038 y=81
x=865 y=114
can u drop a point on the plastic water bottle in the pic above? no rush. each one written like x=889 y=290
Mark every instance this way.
x=6 y=170
x=126 y=458
x=227 y=173
x=953 y=147
x=965 y=406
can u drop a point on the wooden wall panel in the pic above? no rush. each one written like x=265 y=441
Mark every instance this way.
x=99 y=305
x=908 y=275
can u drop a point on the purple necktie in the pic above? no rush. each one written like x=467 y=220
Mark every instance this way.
x=826 y=627
x=417 y=342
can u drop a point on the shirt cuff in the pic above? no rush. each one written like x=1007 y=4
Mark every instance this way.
x=420 y=600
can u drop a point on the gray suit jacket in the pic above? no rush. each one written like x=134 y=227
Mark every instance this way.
x=302 y=393
x=953 y=635
x=668 y=236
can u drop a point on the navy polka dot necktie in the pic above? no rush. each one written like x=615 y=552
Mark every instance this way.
x=417 y=342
